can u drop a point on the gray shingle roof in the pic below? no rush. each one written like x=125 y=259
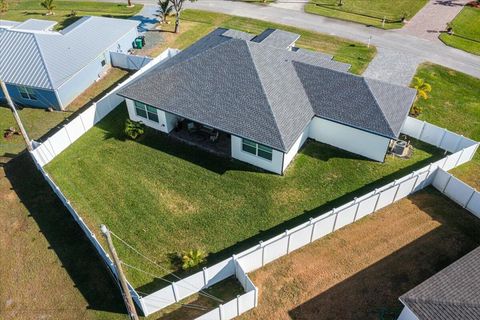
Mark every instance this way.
x=362 y=103
x=276 y=38
x=46 y=59
x=265 y=93
x=451 y=294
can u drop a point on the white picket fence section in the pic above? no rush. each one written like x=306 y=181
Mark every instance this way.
x=458 y=191
x=129 y=61
x=62 y=139
x=462 y=150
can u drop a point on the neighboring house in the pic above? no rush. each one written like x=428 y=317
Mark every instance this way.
x=49 y=69
x=269 y=96
x=451 y=294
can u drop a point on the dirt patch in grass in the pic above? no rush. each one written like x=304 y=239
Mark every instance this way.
x=360 y=271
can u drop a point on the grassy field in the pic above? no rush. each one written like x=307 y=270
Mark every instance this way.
x=454 y=104
x=38 y=122
x=23 y=10
x=196 y=24
x=180 y=197
x=465 y=25
x=367 y=265
x=367 y=12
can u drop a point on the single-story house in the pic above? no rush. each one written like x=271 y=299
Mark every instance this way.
x=49 y=69
x=269 y=96
x=451 y=294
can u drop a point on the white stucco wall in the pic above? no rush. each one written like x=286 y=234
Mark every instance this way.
x=407 y=314
x=350 y=139
x=166 y=120
x=295 y=148
x=274 y=165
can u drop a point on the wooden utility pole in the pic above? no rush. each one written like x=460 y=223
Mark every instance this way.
x=16 y=116
x=127 y=297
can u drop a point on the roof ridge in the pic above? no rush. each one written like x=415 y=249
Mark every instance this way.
x=44 y=61
x=365 y=80
x=266 y=95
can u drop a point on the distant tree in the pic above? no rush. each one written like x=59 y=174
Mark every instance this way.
x=423 y=88
x=165 y=9
x=178 y=6
x=3 y=6
x=48 y=4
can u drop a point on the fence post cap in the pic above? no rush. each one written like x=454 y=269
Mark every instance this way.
x=234 y=257
x=204 y=268
x=311 y=220
x=260 y=243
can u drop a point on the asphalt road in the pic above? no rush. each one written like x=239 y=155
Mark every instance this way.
x=387 y=41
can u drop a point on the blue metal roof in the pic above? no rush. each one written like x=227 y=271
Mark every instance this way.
x=47 y=59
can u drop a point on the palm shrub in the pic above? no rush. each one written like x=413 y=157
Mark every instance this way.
x=48 y=4
x=165 y=9
x=423 y=88
x=134 y=129
x=192 y=258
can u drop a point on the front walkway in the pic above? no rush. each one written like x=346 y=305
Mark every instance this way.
x=433 y=18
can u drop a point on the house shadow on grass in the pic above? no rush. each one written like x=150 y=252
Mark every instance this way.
x=373 y=292
x=64 y=236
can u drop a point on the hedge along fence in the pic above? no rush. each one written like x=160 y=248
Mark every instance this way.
x=62 y=139
x=458 y=191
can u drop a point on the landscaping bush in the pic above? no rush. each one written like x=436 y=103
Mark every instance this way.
x=192 y=258
x=134 y=129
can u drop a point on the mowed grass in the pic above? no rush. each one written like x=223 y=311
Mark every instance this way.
x=196 y=24
x=38 y=122
x=367 y=12
x=466 y=28
x=454 y=104
x=23 y=10
x=164 y=197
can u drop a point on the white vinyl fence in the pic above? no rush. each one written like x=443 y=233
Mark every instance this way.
x=458 y=191
x=462 y=150
x=50 y=148
x=129 y=61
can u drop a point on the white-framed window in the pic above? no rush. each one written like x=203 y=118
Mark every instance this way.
x=145 y=111
x=257 y=149
x=27 y=93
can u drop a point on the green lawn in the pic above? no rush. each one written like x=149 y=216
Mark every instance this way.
x=23 y=10
x=367 y=12
x=466 y=28
x=196 y=24
x=454 y=104
x=165 y=197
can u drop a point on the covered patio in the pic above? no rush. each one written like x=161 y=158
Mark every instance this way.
x=203 y=136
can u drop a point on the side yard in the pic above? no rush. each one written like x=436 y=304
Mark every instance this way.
x=38 y=122
x=196 y=24
x=370 y=13
x=454 y=104
x=209 y=202
x=466 y=31
x=360 y=271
